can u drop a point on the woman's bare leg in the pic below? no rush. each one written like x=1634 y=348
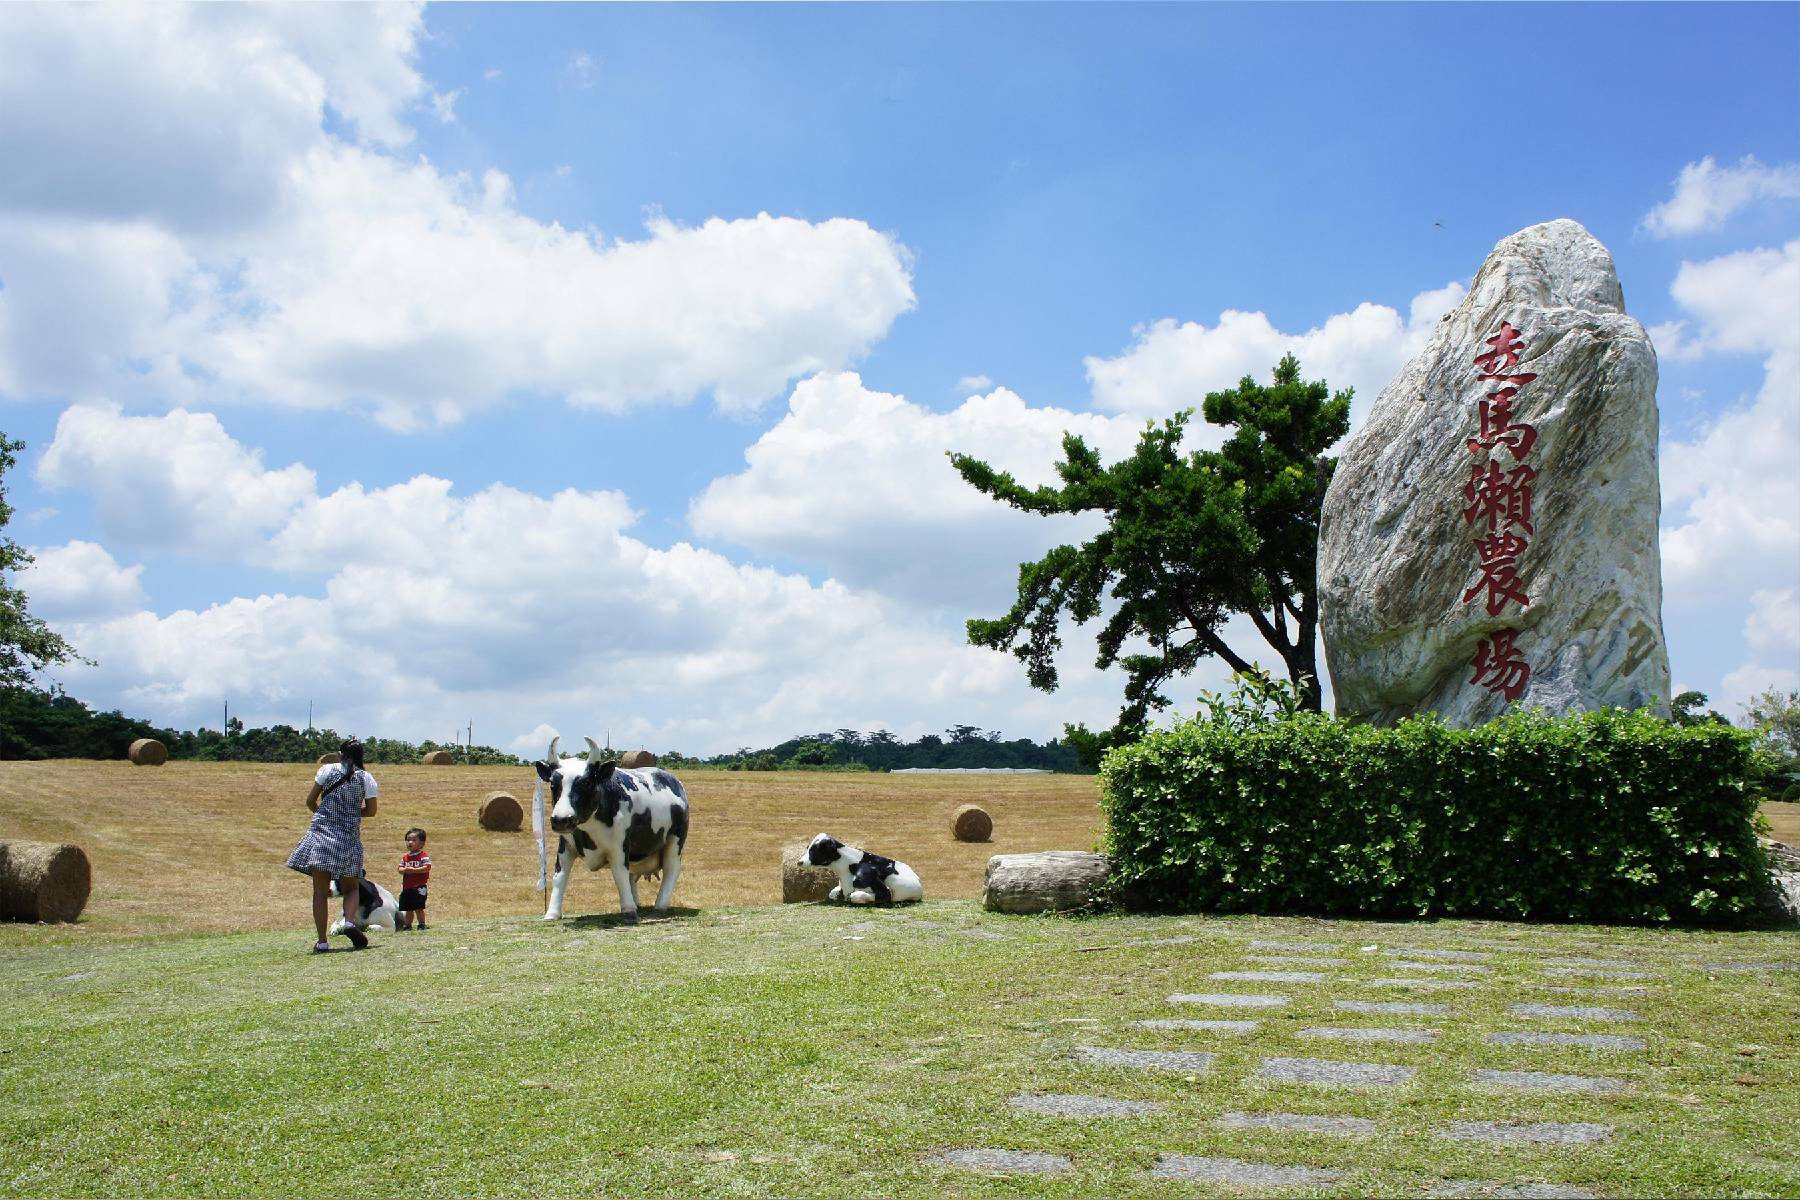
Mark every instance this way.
x=321 y=901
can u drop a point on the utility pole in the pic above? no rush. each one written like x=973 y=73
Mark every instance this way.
x=309 y=705
x=227 y=726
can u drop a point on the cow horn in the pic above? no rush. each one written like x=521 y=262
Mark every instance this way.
x=595 y=753
x=555 y=750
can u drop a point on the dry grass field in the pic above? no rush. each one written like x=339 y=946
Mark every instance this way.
x=200 y=847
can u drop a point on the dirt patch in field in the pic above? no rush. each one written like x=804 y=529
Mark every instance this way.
x=201 y=846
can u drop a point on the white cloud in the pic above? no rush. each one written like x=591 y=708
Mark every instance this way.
x=969 y=384
x=192 y=232
x=1773 y=627
x=858 y=482
x=1707 y=195
x=1731 y=498
x=507 y=608
x=175 y=482
x=443 y=105
x=1748 y=682
x=1173 y=365
x=80 y=581
x=583 y=70
x=189 y=115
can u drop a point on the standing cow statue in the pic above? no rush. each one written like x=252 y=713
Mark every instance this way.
x=634 y=820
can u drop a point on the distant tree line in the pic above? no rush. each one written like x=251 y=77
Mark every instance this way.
x=850 y=750
x=53 y=724
x=36 y=723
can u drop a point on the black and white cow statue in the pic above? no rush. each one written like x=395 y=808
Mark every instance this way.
x=376 y=907
x=864 y=878
x=633 y=820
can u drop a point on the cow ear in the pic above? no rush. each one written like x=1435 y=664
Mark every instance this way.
x=606 y=769
x=545 y=770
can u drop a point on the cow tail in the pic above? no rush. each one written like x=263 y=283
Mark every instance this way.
x=537 y=829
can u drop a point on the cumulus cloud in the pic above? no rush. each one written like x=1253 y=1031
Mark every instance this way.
x=80 y=581
x=1731 y=497
x=857 y=481
x=1173 y=365
x=514 y=610
x=176 y=482
x=1707 y=195
x=190 y=230
x=189 y=116
x=974 y=383
x=1773 y=627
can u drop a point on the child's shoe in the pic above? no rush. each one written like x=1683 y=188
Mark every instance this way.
x=321 y=947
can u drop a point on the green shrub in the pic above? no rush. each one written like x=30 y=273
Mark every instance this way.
x=1606 y=816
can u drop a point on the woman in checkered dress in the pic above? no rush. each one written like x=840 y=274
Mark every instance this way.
x=342 y=795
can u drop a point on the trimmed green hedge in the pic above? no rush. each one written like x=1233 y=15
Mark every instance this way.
x=1606 y=816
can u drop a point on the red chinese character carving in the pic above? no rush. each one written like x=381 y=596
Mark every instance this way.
x=1499 y=429
x=1507 y=345
x=1499 y=667
x=1497 y=496
x=1499 y=572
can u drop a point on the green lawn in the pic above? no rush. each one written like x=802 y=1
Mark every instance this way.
x=766 y=1051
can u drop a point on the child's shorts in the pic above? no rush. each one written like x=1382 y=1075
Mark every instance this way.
x=412 y=899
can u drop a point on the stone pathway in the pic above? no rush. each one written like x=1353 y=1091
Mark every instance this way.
x=1323 y=963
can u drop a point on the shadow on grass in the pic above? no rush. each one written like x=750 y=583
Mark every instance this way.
x=618 y=921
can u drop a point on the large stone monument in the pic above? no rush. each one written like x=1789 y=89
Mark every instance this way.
x=1489 y=538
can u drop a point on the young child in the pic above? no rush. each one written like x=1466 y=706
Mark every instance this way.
x=415 y=873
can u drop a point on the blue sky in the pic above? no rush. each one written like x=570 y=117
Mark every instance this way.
x=590 y=368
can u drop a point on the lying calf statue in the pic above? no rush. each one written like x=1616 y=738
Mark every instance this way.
x=864 y=878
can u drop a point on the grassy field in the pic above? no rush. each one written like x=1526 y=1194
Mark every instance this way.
x=199 y=847
x=754 y=1049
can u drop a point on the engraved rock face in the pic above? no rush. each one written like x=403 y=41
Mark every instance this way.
x=1558 y=494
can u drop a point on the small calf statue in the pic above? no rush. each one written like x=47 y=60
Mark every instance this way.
x=376 y=907
x=634 y=820
x=864 y=878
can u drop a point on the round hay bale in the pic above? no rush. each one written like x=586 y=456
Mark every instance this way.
x=800 y=880
x=43 y=881
x=500 y=812
x=439 y=758
x=638 y=758
x=148 y=752
x=326 y=760
x=972 y=824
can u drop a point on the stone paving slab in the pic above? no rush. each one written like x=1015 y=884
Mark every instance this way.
x=1370 y=1035
x=1334 y=1072
x=1241 y=1173
x=1536 y=1133
x=1428 y=985
x=1548 y=1081
x=1299 y=947
x=1600 y=972
x=1393 y=1006
x=1501 y=1190
x=1751 y=966
x=1402 y=964
x=1589 y=962
x=1593 y=1041
x=1152 y=1060
x=1209 y=1026
x=1063 y=1105
x=1270 y=976
x=1296 y=1122
x=1024 y=1162
x=1447 y=955
x=1230 y=999
x=1573 y=1012
x=1595 y=990
x=1294 y=960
